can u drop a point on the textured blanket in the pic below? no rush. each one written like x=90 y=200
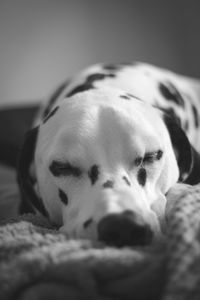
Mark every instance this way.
x=37 y=262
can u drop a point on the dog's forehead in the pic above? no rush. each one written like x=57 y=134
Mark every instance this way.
x=108 y=112
x=97 y=104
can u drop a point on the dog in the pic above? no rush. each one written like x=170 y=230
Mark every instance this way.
x=107 y=147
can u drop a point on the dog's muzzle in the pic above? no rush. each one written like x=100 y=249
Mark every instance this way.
x=124 y=229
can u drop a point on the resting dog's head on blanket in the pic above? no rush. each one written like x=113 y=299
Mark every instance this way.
x=102 y=168
x=101 y=162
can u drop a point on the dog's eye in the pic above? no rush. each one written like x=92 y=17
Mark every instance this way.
x=149 y=158
x=59 y=168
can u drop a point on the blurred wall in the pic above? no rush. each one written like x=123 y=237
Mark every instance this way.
x=44 y=41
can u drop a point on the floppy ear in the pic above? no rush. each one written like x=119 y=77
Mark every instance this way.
x=30 y=201
x=187 y=157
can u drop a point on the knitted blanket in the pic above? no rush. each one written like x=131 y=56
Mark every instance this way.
x=38 y=262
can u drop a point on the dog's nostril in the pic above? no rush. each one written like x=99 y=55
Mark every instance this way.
x=124 y=230
x=87 y=223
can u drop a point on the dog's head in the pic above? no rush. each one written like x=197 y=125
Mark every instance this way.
x=100 y=164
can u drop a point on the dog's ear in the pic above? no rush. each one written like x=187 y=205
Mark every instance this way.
x=30 y=200
x=187 y=157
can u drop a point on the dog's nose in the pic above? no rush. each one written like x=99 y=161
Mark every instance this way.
x=124 y=229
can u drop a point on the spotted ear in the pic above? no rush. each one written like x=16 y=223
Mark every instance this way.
x=30 y=201
x=187 y=157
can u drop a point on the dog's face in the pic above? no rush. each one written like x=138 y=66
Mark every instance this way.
x=103 y=167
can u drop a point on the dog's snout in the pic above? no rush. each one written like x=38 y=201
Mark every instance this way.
x=124 y=229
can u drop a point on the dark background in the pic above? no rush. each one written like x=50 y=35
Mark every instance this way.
x=44 y=41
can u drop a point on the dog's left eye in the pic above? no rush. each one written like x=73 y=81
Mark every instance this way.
x=59 y=168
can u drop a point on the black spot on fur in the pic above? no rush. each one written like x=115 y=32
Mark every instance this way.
x=112 y=67
x=63 y=197
x=171 y=113
x=94 y=174
x=181 y=145
x=159 y=154
x=54 y=97
x=196 y=117
x=126 y=97
x=169 y=92
x=126 y=180
x=89 y=83
x=87 y=223
x=129 y=97
x=108 y=184
x=98 y=76
x=59 y=168
x=132 y=96
x=81 y=88
x=142 y=176
x=50 y=114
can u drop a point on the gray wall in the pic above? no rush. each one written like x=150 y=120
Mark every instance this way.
x=44 y=41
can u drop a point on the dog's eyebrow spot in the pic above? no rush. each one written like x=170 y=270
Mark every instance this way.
x=108 y=184
x=126 y=180
x=50 y=114
x=59 y=168
x=94 y=174
x=87 y=223
x=142 y=176
x=63 y=197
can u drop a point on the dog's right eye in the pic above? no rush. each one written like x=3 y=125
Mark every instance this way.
x=149 y=158
x=59 y=168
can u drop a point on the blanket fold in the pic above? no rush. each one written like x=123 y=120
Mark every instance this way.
x=38 y=262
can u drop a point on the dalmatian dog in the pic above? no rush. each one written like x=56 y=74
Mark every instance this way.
x=106 y=149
